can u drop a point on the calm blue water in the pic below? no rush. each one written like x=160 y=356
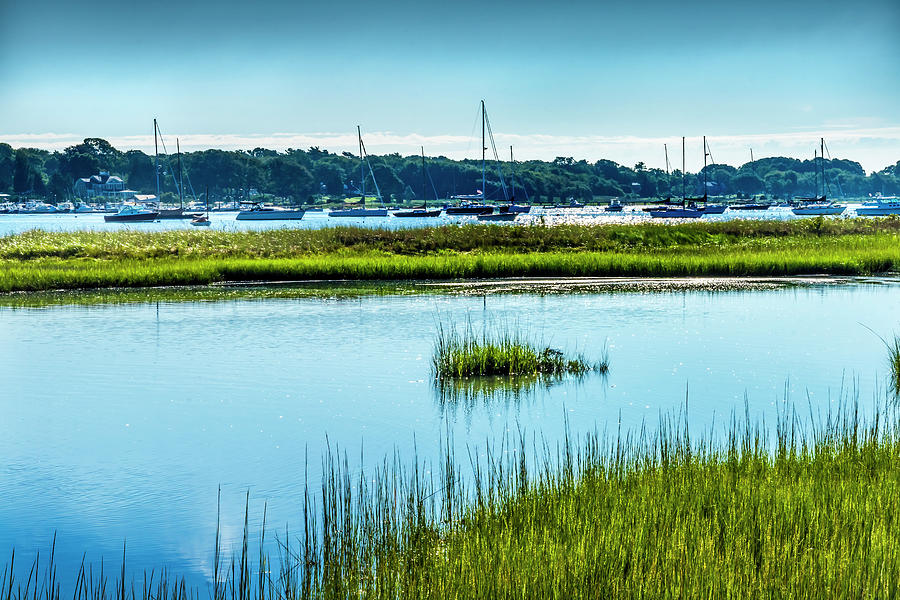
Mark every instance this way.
x=121 y=421
x=10 y=224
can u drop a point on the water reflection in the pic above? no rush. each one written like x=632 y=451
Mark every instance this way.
x=469 y=395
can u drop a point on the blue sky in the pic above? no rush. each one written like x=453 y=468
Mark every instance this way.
x=602 y=80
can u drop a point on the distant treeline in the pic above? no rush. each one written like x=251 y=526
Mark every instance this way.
x=306 y=175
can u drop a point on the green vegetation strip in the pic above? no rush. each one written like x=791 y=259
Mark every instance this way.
x=753 y=516
x=79 y=260
x=465 y=354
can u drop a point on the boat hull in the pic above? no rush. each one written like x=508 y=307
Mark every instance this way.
x=418 y=213
x=509 y=216
x=135 y=218
x=877 y=212
x=676 y=213
x=469 y=210
x=818 y=210
x=359 y=212
x=749 y=207
x=713 y=209
x=518 y=209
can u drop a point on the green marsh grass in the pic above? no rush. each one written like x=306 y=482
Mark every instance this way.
x=807 y=510
x=893 y=348
x=501 y=352
x=37 y=260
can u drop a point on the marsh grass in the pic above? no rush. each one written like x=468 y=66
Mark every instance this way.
x=893 y=360
x=810 y=510
x=893 y=348
x=503 y=352
x=39 y=260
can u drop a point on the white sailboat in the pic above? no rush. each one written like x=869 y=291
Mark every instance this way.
x=363 y=211
x=819 y=205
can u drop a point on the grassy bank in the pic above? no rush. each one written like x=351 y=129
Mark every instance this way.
x=79 y=260
x=755 y=515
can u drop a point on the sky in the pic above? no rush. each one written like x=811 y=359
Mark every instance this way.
x=585 y=79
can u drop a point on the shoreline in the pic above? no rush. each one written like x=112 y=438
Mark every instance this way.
x=345 y=288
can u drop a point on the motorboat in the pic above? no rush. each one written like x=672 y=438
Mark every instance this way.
x=615 y=205
x=37 y=208
x=881 y=206
x=265 y=212
x=130 y=213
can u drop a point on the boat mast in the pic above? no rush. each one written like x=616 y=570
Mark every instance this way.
x=423 y=176
x=822 y=156
x=156 y=160
x=362 y=172
x=815 y=175
x=751 y=154
x=682 y=170
x=180 y=176
x=705 y=187
x=483 y=158
x=512 y=169
x=668 y=180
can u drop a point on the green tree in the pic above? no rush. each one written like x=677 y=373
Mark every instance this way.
x=21 y=174
x=287 y=178
x=748 y=182
x=7 y=167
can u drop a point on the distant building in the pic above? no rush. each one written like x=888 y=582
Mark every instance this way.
x=102 y=185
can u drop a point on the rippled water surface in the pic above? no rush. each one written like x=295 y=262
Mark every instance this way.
x=121 y=421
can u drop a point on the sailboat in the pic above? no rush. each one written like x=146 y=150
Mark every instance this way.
x=421 y=211
x=473 y=204
x=684 y=211
x=362 y=211
x=819 y=205
x=169 y=213
x=707 y=208
x=512 y=207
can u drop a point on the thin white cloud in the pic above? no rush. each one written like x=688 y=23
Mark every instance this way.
x=873 y=147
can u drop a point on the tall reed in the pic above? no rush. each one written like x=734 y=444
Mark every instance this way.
x=805 y=510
